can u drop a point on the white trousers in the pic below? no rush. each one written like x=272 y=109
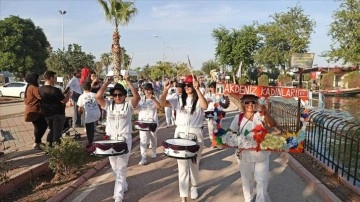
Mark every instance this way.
x=144 y=139
x=252 y=172
x=168 y=115
x=189 y=171
x=119 y=166
x=210 y=123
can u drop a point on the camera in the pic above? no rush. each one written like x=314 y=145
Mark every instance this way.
x=110 y=78
x=172 y=90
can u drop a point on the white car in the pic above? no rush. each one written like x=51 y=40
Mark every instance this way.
x=13 y=89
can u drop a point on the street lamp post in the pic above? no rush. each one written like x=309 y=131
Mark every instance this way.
x=163 y=43
x=168 y=47
x=62 y=27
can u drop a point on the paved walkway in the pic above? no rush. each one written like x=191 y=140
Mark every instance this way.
x=19 y=139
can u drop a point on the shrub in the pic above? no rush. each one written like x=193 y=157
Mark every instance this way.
x=263 y=80
x=242 y=80
x=352 y=79
x=327 y=80
x=68 y=157
x=307 y=77
x=283 y=78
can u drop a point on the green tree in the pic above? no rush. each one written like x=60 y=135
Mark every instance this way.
x=236 y=46
x=66 y=62
x=209 y=65
x=24 y=46
x=117 y=12
x=288 y=33
x=106 y=60
x=125 y=58
x=98 y=68
x=345 y=34
x=253 y=74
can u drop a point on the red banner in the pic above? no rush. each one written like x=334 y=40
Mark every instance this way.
x=262 y=91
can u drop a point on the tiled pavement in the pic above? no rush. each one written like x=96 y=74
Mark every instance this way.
x=18 y=134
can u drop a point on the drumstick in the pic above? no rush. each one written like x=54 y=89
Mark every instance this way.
x=190 y=67
x=179 y=74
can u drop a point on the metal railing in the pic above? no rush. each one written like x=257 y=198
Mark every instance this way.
x=332 y=140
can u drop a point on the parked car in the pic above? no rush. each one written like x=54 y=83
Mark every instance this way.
x=13 y=89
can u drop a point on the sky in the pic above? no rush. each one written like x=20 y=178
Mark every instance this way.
x=183 y=28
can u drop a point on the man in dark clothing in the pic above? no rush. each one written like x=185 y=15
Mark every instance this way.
x=54 y=106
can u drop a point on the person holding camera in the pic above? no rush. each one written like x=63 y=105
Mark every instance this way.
x=119 y=127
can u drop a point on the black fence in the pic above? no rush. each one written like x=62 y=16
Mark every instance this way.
x=333 y=140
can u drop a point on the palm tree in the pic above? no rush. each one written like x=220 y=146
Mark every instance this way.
x=106 y=60
x=98 y=68
x=117 y=12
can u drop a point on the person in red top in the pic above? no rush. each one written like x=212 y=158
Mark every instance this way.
x=33 y=112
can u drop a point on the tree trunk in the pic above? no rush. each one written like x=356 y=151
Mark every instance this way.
x=116 y=54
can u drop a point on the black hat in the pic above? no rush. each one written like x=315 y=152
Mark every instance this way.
x=118 y=87
x=249 y=96
x=148 y=86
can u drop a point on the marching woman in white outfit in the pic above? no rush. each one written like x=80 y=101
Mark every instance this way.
x=189 y=108
x=169 y=110
x=212 y=98
x=148 y=107
x=119 y=127
x=254 y=165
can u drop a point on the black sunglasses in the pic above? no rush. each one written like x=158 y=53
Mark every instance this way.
x=188 y=85
x=249 y=101
x=117 y=95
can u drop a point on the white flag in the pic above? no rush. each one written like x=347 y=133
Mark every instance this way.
x=238 y=73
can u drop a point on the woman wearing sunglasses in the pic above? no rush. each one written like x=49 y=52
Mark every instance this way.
x=148 y=107
x=189 y=108
x=119 y=127
x=254 y=165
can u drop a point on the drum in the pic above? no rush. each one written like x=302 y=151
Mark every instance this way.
x=209 y=114
x=109 y=148
x=180 y=148
x=225 y=102
x=145 y=126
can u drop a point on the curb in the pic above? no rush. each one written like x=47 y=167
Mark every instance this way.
x=22 y=178
x=311 y=180
x=76 y=184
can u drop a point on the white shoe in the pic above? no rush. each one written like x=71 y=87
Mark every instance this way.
x=194 y=193
x=153 y=155
x=150 y=146
x=118 y=199
x=143 y=161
